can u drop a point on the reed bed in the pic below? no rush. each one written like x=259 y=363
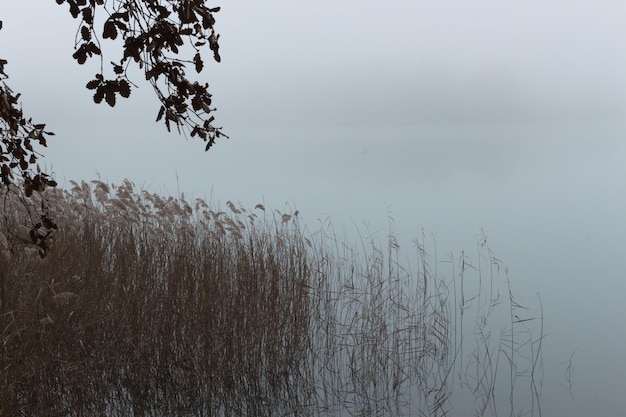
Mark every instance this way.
x=157 y=306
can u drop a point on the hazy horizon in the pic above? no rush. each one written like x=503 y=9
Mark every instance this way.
x=449 y=118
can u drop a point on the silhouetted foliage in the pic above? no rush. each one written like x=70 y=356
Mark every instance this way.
x=153 y=33
x=17 y=156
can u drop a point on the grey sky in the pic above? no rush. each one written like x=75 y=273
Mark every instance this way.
x=413 y=62
x=448 y=115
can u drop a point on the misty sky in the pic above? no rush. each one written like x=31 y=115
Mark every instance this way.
x=448 y=116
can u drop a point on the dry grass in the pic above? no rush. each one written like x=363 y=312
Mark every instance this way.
x=155 y=306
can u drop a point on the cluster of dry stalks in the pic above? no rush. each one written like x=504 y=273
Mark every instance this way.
x=153 y=306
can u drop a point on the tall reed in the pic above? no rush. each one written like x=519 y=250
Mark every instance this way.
x=155 y=306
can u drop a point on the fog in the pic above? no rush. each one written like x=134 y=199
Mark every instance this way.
x=446 y=117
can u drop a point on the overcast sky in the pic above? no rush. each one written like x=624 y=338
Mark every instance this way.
x=451 y=116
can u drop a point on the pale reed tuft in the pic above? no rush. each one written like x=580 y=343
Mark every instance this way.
x=149 y=305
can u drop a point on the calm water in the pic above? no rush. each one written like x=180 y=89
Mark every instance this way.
x=549 y=197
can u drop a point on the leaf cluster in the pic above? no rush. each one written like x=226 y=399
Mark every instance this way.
x=18 y=134
x=154 y=33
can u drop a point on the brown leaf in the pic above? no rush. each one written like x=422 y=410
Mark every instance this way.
x=209 y=144
x=110 y=31
x=124 y=88
x=97 y=98
x=198 y=61
x=118 y=69
x=88 y=15
x=161 y=111
x=93 y=49
x=74 y=10
x=110 y=97
x=93 y=84
x=80 y=55
x=85 y=33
